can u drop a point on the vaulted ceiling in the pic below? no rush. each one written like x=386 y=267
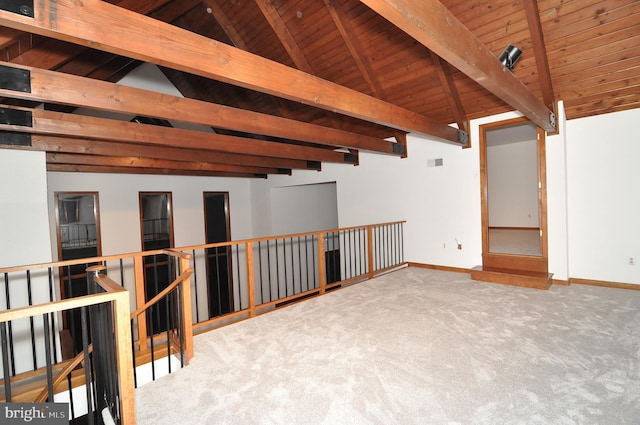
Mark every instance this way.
x=275 y=85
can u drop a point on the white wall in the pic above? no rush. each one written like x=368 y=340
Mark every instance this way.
x=441 y=204
x=119 y=205
x=385 y=188
x=557 y=199
x=304 y=208
x=23 y=223
x=603 y=173
x=23 y=213
x=512 y=180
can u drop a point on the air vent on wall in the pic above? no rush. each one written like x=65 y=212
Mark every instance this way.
x=438 y=162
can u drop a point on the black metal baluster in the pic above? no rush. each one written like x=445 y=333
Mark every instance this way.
x=47 y=355
x=121 y=273
x=284 y=263
x=361 y=252
x=238 y=270
x=389 y=260
x=8 y=301
x=269 y=268
x=342 y=244
x=71 y=406
x=156 y=289
x=260 y=271
x=352 y=252
x=388 y=245
x=153 y=358
x=5 y=361
x=306 y=263
x=277 y=270
x=377 y=252
x=293 y=268
x=31 y=324
x=133 y=354
x=218 y=282
x=53 y=329
x=87 y=367
x=168 y=310
x=180 y=324
x=402 y=241
x=300 y=262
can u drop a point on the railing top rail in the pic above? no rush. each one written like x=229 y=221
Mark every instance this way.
x=286 y=236
x=55 y=264
x=179 y=251
x=112 y=293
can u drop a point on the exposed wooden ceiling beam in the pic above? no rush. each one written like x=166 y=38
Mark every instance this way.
x=100 y=25
x=76 y=168
x=449 y=86
x=282 y=32
x=540 y=52
x=59 y=144
x=344 y=27
x=50 y=86
x=226 y=25
x=73 y=125
x=138 y=162
x=430 y=23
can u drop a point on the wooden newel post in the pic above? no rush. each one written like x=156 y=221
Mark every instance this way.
x=141 y=320
x=187 y=318
x=125 y=355
x=93 y=272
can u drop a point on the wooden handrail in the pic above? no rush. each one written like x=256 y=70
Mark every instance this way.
x=55 y=264
x=63 y=374
x=183 y=276
x=287 y=236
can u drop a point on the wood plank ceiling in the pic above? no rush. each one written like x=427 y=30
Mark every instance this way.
x=271 y=86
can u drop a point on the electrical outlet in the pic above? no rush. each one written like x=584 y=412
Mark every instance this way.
x=632 y=261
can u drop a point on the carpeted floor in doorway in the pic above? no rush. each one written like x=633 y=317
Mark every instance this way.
x=416 y=346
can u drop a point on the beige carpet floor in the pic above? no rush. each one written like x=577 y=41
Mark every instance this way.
x=416 y=346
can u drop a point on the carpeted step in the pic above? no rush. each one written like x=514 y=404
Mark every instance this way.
x=525 y=279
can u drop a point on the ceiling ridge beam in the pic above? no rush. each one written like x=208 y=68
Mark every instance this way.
x=103 y=26
x=56 y=87
x=430 y=23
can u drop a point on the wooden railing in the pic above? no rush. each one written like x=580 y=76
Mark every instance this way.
x=113 y=295
x=240 y=279
x=212 y=285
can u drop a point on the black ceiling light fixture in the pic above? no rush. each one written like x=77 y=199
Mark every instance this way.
x=510 y=56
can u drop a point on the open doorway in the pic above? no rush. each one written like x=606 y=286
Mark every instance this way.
x=78 y=235
x=219 y=277
x=156 y=233
x=513 y=194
